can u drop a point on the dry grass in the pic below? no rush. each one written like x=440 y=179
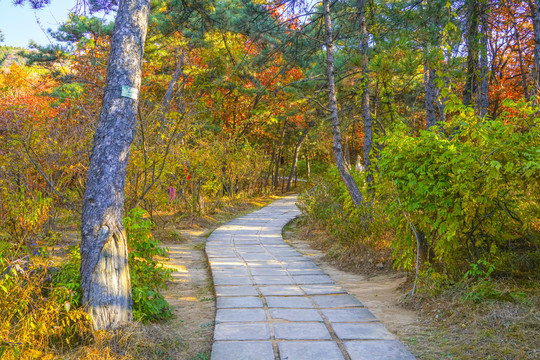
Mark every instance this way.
x=354 y=256
x=134 y=341
x=488 y=329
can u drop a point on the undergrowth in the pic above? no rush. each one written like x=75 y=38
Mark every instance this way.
x=41 y=315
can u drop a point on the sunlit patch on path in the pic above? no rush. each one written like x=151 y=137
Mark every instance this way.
x=275 y=303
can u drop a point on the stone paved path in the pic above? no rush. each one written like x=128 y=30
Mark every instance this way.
x=275 y=303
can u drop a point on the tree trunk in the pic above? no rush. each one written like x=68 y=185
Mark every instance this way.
x=366 y=110
x=484 y=85
x=352 y=188
x=295 y=158
x=520 y=53
x=308 y=168
x=441 y=104
x=278 y=157
x=472 y=53
x=429 y=87
x=535 y=14
x=176 y=76
x=105 y=282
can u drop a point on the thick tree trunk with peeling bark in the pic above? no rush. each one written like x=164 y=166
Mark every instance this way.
x=351 y=186
x=366 y=110
x=105 y=282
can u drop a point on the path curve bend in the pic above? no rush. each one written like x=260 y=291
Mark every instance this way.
x=274 y=303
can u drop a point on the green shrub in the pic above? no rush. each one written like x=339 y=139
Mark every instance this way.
x=148 y=277
x=473 y=193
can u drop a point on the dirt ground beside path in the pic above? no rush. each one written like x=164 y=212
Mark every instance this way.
x=192 y=296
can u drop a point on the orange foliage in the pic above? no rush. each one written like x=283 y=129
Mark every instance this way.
x=512 y=55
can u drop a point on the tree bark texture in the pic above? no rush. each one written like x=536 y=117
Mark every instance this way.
x=520 y=53
x=295 y=158
x=176 y=76
x=277 y=160
x=484 y=85
x=535 y=14
x=472 y=53
x=366 y=110
x=430 y=94
x=344 y=172
x=105 y=281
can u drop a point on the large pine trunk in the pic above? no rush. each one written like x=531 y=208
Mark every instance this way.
x=351 y=186
x=105 y=282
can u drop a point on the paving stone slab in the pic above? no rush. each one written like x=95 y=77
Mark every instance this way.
x=257 y=257
x=283 y=250
x=287 y=290
x=246 y=242
x=378 y=350
x=361 y=331
x=301 y=331
x=228 y=263
x=312 y=279
x=333 y=301
x=239 y=302
x=264 y=264
x=231 y=272
x=252 y=249
x=273 y=280
x=220 y=253
x=295 y=272
x=297 y=265
x=349 y=315
x=242 y=350
x=231 y=280
x=240 y=290
x=323 y=289
x=240 y=315
x=288 y=302
x=309 y=350
x=268 y=272
x=296 y=314
x=241 y=331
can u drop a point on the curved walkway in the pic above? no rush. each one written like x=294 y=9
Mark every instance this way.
x=275 y=303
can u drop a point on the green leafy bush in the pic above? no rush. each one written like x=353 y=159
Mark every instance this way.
x=328 y=205
x=473 y=193
x=148 y=277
